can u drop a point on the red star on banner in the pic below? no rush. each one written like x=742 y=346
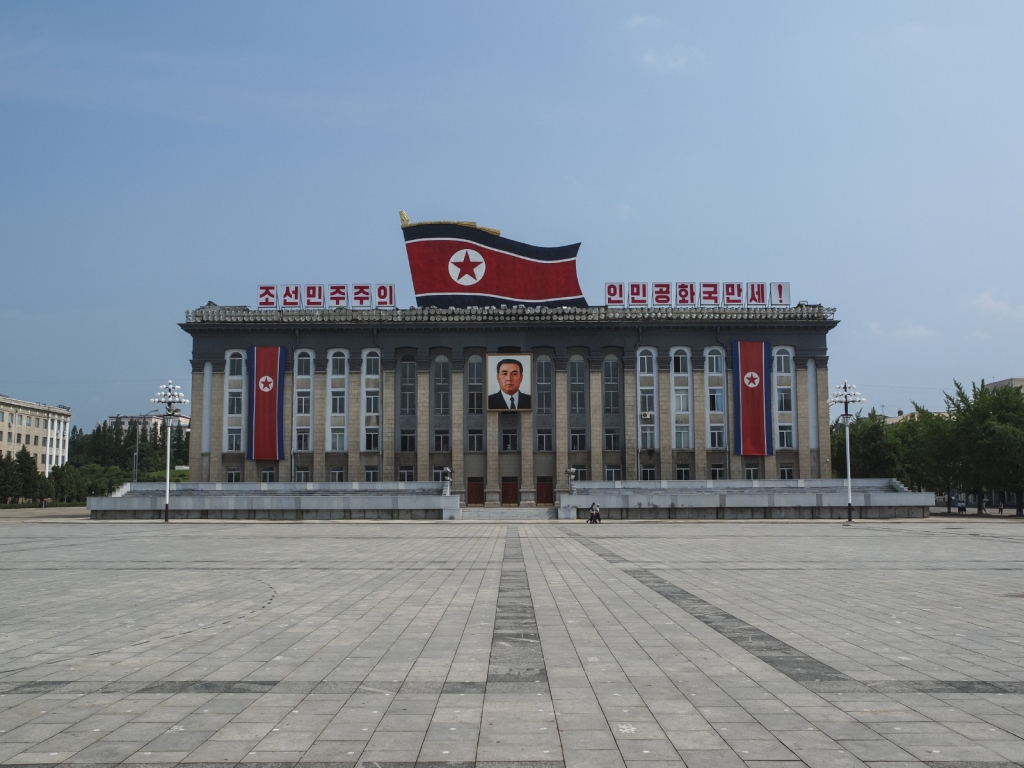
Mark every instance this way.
x=466 y=267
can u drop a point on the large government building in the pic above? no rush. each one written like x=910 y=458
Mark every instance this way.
x=614 y=394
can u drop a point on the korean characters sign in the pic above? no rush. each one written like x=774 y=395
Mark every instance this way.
x=332 y=296
x=731 y=294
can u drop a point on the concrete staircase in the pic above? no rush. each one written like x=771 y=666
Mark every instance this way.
x=500 y=514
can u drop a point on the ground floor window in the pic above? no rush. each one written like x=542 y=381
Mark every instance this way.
x=613 y=472
x=268 y=475
x=337 y=474
x=438 y=474
x=581 y=471
x=372 y=474
x=752 y=471
x=234 y=475
x=406 y=474
x=718 y=471
x=786 y=472
x=682 y=471
x=301 y=475
x=647 y=472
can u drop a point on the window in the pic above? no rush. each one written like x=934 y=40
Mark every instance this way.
x=786 y=472
x=234 y=475
x=681 y=400
x=612 y=472
x=785 y=436
x=716 y=399
x=302 y=364
x=784 y=398
x=337 y=474
x=302 y=401
x=543 y=385
x=545 y=440
x=581 y=472
x=268 y=475
x=373 y=403
x=372 y=474
x=475 y=379
x=645 y=362
x=234 y=439
x=577 y=386
x=407 y=387
x=476 y=440
x=782 y=361
x=407 y=441
x=647 y=400
x=37 y=423
x=36 y=440
x=510 y=439
x=714 y=361
x=647 y=438
x=682 y=437
x=680 y=363
x=337 y=401
x=19 y=419
x=372 y=442
x=717 y=436
x=718 y=471
x=338 y=369
x=19 y=438
x=647 y=472
x=611 y=440
x=301 y=474
x=438 y=474
x=751 y=471
x=682 y=471
x=442 y=441
x=406 y=474
x=372 y=369
x=442 y=386
x=302 y=440
x=577 y=439
x=610 y=377
x=337 y=439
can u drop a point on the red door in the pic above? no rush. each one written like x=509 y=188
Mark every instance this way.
x=510 y=490
x=475 y=491
x=545 y=490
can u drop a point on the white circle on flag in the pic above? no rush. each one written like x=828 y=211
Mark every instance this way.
x=751 y=379
x=266 y=384
x=467 y=267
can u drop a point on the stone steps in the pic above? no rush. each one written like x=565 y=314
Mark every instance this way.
x=509 y=513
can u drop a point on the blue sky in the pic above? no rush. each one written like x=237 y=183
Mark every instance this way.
x=154 y=157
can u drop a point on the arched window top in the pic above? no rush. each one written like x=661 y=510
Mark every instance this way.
x=782 y=361
x=372 y=358
x=442 y=370
x=235 y=360
x=577 y=370
x=338 y=363
x=475 y=370
x=303 y=364
x=543 y=372
x=681 y=361
x=714 y=361
x=645 y=361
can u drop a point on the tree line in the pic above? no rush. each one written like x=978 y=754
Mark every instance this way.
x=975 y=447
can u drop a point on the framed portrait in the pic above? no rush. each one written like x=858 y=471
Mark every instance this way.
x=509 y=382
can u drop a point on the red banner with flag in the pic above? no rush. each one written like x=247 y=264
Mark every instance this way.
x=460 y=265
x=751 y=365
x=266 y=403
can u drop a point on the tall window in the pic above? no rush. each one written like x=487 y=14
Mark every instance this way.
x=475 y=384
x=234 y=403
x=442 y=386
x=647 y=437
x=714 y=361
x=785 y=412
x=610 y=380
x=338 y=364
x=234 y=397
x=302 y=364
x=681 y=400
x=371 y=405
x=235 y=364
x=577 y=385
x=716 y=399
x=337 y=385
x=647 y=399
x=715 y=383
x=337 y=401
x=407 y=386
x=543 y=385
x=302 y=401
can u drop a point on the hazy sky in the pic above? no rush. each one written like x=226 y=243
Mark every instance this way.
x=154 y=157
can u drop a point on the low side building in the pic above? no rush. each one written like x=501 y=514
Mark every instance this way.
x=42 y=429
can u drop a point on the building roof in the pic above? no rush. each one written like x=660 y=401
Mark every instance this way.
x=1019 y=383
x=8 y=402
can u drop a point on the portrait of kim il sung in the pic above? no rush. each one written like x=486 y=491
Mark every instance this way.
x=508 y=382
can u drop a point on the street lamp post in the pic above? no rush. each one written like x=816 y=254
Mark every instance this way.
x=846 y=394
x=169 y=396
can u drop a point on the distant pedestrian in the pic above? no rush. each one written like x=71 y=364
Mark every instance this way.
x=1000 y=507
x=597 y=512
x=592 y=514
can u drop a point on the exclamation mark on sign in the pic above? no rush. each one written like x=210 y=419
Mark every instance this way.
x=780 y=293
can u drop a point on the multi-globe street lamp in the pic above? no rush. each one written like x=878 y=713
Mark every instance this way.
x=846 y=394
x=169 y=395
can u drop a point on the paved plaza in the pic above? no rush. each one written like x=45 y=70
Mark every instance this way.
x=714 y=645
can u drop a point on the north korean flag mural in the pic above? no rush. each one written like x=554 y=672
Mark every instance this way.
x=461 y=265
x=752 y=365
x=266 y=403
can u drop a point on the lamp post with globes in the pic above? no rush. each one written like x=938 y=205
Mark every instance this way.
x=169 y=396
x=844 y=395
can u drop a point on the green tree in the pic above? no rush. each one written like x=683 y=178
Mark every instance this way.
x=28 y=486
x=68 y=484
x=9 y=486
x=873 y=452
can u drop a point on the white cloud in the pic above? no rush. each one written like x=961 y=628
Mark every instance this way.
x=987 y=303
x=644 y=21
x=908 y=331
x=675 y=60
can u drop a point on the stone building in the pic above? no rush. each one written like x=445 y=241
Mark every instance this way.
x=42 y=429
x=630 y=394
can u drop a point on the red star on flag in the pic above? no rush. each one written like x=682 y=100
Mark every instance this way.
x=467 y=267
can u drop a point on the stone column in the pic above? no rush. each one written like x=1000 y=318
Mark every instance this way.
x=733 y=462
x=423 y=419
x=458 y=429
x=629 y=412
x=527 y=486
x=318 y=430
x=596 y=420
x=666 y=421
x=492 y=487
x=284 y=467
x=824 y=439
x=804 y=402
x=197 y=448
x=561 y=422
x=388 y=472
x=699 y=428
x=217 y=406
x=354 y=430
x=206 y=416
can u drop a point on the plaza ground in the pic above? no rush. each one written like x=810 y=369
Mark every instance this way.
x=714 y=645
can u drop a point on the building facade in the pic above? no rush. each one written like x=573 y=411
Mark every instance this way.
x=149 y=419
x=618 y=394
x=42 y=429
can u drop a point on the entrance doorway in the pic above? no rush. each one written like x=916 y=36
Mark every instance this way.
x=475 y=491
x=545 y=490
x=510 y=491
